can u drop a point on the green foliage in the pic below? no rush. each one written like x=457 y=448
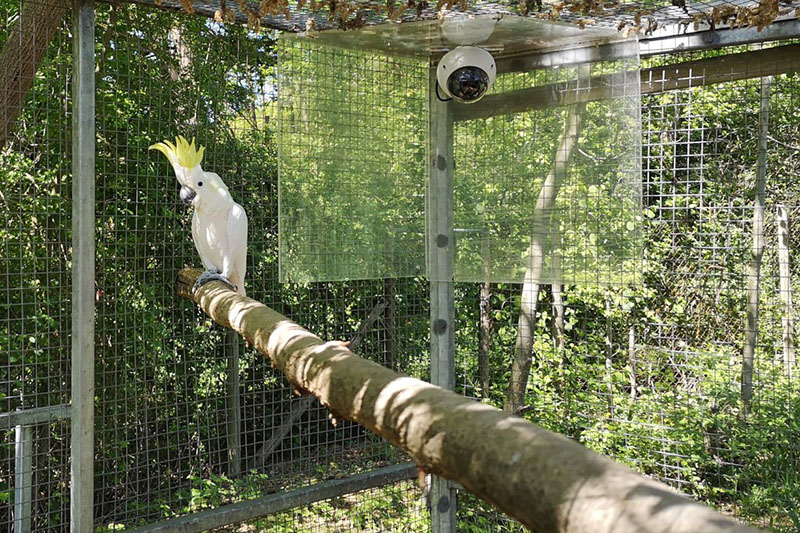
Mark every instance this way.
x=160 y=445
x=352 y=174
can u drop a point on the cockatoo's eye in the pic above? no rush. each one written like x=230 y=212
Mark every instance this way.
x=199 y=183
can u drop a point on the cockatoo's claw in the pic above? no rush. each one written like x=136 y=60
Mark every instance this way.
x=212 y=275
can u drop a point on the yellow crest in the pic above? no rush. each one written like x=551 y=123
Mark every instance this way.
x=182 y=153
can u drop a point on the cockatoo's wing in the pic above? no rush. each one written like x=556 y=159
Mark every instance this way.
x=235 y=260
x=199 y=235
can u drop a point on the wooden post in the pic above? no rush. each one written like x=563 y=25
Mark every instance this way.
x=546 y=481
x=754 y=269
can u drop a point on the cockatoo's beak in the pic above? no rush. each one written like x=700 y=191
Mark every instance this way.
x=187 y=195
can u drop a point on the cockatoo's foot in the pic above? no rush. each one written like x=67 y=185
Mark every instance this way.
x=212 y=275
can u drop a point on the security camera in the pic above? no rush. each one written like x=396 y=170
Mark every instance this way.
x=466 y=73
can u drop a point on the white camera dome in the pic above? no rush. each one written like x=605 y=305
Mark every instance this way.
x=466 y=73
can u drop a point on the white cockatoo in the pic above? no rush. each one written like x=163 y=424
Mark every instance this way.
x=219 y=225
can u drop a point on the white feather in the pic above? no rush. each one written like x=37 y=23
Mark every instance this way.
x=219 y=228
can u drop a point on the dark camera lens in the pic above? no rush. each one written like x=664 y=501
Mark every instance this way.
x=468 y=84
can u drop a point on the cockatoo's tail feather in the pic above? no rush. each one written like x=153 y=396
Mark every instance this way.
x=182 y=153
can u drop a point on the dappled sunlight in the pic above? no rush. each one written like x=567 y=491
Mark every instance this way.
x=285 y=334
x=500 y=457
x=239 y=308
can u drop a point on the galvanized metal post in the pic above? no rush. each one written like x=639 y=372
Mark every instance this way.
x=440 y=257
x=83 y=266
x=23 y=478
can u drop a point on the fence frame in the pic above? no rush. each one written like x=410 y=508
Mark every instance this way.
x=81 y=409
x=83 y=269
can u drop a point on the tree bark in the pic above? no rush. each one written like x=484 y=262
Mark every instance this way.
x=754 y=269
x=486 y=319
x=21 y=56
x=233 y=405
x=632 y=360
x=784 y=267
x=609 y=378
x=559 y=330
x=544 y=480
x=523 y=350
x=485 y=330
x=390 y=320
x=185 y=56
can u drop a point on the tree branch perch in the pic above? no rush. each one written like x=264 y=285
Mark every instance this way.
x=544 y=480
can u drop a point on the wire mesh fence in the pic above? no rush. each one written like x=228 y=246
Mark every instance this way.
x=187 y=420
x=165 y=412
x=653 y=375
x=34 y=261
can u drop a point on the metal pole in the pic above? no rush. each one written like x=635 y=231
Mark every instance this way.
x=280 y=502
x=234 y=411
x=441 y=255
x=23 y=479
x=83 y=267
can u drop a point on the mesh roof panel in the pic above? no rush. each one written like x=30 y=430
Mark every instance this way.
x=650 y=18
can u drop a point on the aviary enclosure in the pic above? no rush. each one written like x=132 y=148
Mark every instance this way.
x=602 y=246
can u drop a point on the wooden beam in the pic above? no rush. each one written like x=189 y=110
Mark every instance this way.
x=546 y=481
x=699 y=73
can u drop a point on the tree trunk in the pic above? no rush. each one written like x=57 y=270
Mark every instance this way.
x=185 y=57
x=632 y=360
x=390 y=320
x=609 y=358
x=544 y=480
x=485 y=330
x=21 y=56
x=784 y=245
x=754 y=269
x=559 y=331
x=523 y=350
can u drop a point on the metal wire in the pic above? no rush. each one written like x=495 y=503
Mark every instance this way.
x=653 y=375
x=648 y=374
x=34 y=264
